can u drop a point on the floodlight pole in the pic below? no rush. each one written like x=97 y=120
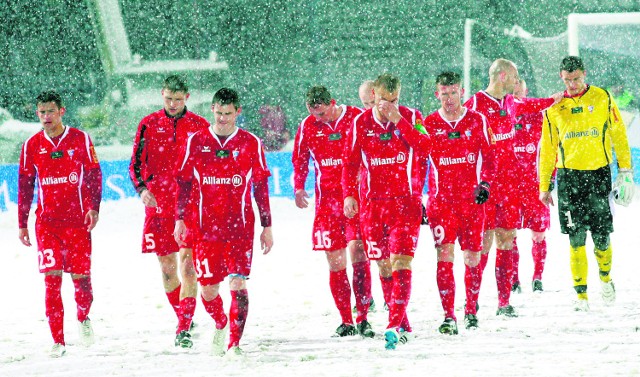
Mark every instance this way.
x=468 y=26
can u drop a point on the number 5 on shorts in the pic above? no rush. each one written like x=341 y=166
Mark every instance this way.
x=150 y=243
x=373 y=251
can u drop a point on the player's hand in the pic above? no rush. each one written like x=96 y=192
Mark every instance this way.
x=91 y=218
x=23 y=235
x=301 y=199
x=148 y=199
x=546 y=198
x=623 y=188
x=557 y=97
x=481 y=193
x=180 y=232
x=266 y=240
x=350 y=206
x=390 y=111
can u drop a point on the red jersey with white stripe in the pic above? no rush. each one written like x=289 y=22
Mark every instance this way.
x=324 y=142
x=68 y=175
x=501 y=114
x=393 y=168
x=157 y=146
x=528 y=130
x=222 y=174
x=462 y=156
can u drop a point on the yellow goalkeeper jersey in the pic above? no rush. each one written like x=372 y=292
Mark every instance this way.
x=579 y=133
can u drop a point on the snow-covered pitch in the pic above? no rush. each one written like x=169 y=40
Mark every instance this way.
x=292 y=315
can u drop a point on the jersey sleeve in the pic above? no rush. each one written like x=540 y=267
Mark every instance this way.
x=261 y=196
x=531 y=105
x=488 y=153
x=548 y=151
x=419 y=141
x=300 y=159
x=138 y=158
x=93 y=180
x=184 y=179
x=352 y=158
x=619 y=137
x=26 y=185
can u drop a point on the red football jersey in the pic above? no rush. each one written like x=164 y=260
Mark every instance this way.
x=393 y=168
x=324 y=142
x=460 y=157
x=501 y=115
x=157 y=146
x=526 y=142
x=222 y=174
x=68 y=176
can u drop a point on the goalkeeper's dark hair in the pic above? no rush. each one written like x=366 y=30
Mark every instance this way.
x=226 y=96
x=572 y=63
x=176 y=83
x=318 y=95
x=49 y=96
x=447 y=78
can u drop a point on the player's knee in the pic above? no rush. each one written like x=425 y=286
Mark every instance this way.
x=537 y=236
x=600 y=241
x=237 y=282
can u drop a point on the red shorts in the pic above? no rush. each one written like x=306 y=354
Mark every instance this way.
x=463 y=221
x=391 y=226
x=353 y=229
x=63 y=249
x=158 y=237
x=215 y=260
x=534 y=214
x=330 y=223
x=502 y=210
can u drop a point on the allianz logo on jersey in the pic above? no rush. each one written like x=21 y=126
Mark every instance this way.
x=501 y=137
x=331 y=162
x=470 y=158
x=72 y=178
x=399 y=159
x=236 y=180
x=529 y=148
x=593 y=132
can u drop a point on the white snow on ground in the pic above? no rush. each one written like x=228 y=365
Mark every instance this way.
x=292 y=315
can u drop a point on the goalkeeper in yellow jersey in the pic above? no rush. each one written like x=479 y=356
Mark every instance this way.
x=578 y=136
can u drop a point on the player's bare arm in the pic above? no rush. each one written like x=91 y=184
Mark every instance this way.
x=301 y=198
x=546 y=198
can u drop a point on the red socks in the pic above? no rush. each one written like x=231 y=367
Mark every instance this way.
x=187 y=308
x=400 y=297
x=504 y=268
x=362 y=289
x=341 y=291
x=54 y=308
x=387 y=288
x=515 y=261
x=447 y=288
x=238 y=316
x=174 y=299
x=84 y=297
x=215 y=308
x=539 y=252
x=472 y=277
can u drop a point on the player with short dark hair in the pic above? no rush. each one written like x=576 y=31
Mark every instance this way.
x=63 y=161
x=159 y=139
x=221 y=165
x=579 y=137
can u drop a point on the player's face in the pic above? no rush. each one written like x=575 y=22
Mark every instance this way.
x=50 y=116
x=225 y=116
x=174 y=102
x=511 y=79
x=321 y=112
x=520 y=91
x=382 y=94
x=367 y=98
x=574 y=81
x=450 y=97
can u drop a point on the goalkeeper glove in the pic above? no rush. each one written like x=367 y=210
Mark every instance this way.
x=481 y=192
x=624 y=187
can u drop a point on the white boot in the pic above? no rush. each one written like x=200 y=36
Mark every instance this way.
x=608 y=292
x=219 y=341
x=86 y=333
